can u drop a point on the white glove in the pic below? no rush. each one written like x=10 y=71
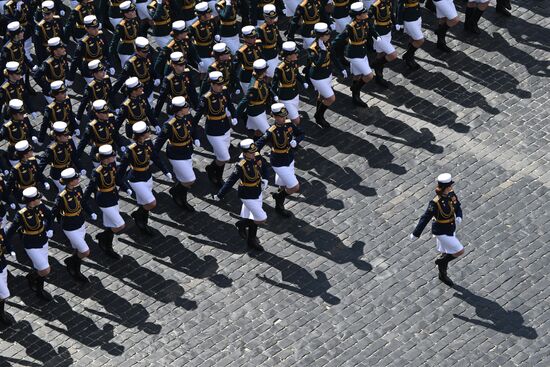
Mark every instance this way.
x=201 y=64
x=168 y=176
x=237 y=92
x=157 y=130
x=46 y=186
x=34 y=68
x=12 y=206
x=332 y=26
x=217 y=38
x=412 y=237
x=345 y=74
x=216 y=197
x=306 y=86
x=129 y=192
x=77 y=131
x=62 y=13
x=276 y=99
x=398 y=27
x=117 y=111
x=82 y=172
x=49 y=233
x=458 y=220
x=123 y=149
x=12 y=254
x=265 y=184
x=227 y=112
x=228 y=2
x=68 y=83
x=321 y=45
x=19 y=5
x=234 y=121
x=112 y=71
x=94 y=216
x=293 y=143
x=6 y=172
x=34 y=139
x=197 y=143
x=156 y=83
x=34 y=115
x=378 y=39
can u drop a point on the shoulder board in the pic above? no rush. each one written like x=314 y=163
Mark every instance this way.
x=224 y=88
x=41 y=23
x=313 y=46
x=122 y=22
x=51 y=105
x=243 y=48
x=272 y=128
x=93 y=122
x=186 y=70
x=99 y=168
x=126 y=102
x=303 y=3
x=17 y=166
x=22 y=211
x=32 y=159
x=107 y=77
x=56 y=17
x=171 y=121
x=85 y=38
x=132 y=146
x=436 y=199
x=170 y=76
x=78 y=7
x=132 y=59
x=242 y=162
x=63 y=193
x=195 y=24
x=171 y=43
x=208 y=94
x=8 y=124
x=111 y=115
x=52 y=145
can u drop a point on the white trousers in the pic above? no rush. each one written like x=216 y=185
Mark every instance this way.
x=359 y=66
x=142 y=11
x=183 y=169
x=123 y=58
x=60 y=187
x=292 y=106
x=112 y=217
x=414 y=29
x=323 y=86
x=257 y=122
x=285 y=176
x=39 y=257
x=220 y=145
x=290 y=7
x=4 y=290
x=307 y=41
x=144 y=191
x=244 y=86
x=384 y=45
x=233 y=43
x=448 y=244
x=445 y=9
x=341 y=23
x=252 y=209
x=77 y=239
x=189 y=23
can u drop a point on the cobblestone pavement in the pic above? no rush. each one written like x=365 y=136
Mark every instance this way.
x=340 y=284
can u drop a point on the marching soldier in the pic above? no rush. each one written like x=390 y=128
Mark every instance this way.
x=143 y=15
x=103 y=184
x=246 y=55
x=203 y=31
x=256 y=10
x=220 y=115
x=68 y=209
x=381 y=12
x=320 y=73
x=308 y=13
x=255 y=101
x=163 y=13
x=180 y=43
x=187 y=11
x=271 y=40
x=177 y=83
x=126 y=32
x=355 y=35
x=24 y=174
x=19 y=11
x=54 y=68
x=474 y=11
x=102 y=130
x=410 y=19
x=13 y=50
x=181 y=136
x=140 y=65
x=253 y=175
x=14 y=87
x=98 y=88
x=60 y=155
x=285 y=81
x=139 y=156
x=447 y=17
x=75 y=24
x=93 y=46
x=223 y=64
x=447 y=214
x=60 y=109
x=340 y=14
x=135 y=108
x=49 y=27
x=17 y=129
x=229 y=26
x=110 y=9
x=4 y=290
x=34 y=222
x=283 y=137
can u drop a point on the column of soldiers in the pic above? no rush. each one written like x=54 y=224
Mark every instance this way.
x=226 y=61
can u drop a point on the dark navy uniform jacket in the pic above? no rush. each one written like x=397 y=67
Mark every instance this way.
x=103 y=184
x=443 y=210
x=180 y=134
x=4 y=249
x=279 y=138
x=213 y=106
x=69 y=207
x=250 y=174
x=32 y=223
x=139 y=157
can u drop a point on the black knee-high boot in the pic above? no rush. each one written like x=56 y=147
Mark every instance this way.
x=73 y=267
x=443 y=263
x=378 y=66
x=441 y=33
x=242 y=225
x=320 y=114
x=475 y=20
x=409 y=57
x=280 y=202
x=4 y=318
x=356 y=93
x=219 y=174
x=176 y=194
x=253 y=241
x=430 y=5
x=40 y=292
x=211 y=172
x=182 y=193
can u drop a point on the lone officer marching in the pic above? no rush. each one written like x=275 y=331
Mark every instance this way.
x=283 y=137
x=446 y=213
x=139 y=156
x=181 y=136
x=253 y=175
x=34 y=222
x=69 y=209
x=103 y=184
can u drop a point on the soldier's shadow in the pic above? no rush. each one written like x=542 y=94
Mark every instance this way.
x=37 y=348
x=75 y=325
x=493 y=316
